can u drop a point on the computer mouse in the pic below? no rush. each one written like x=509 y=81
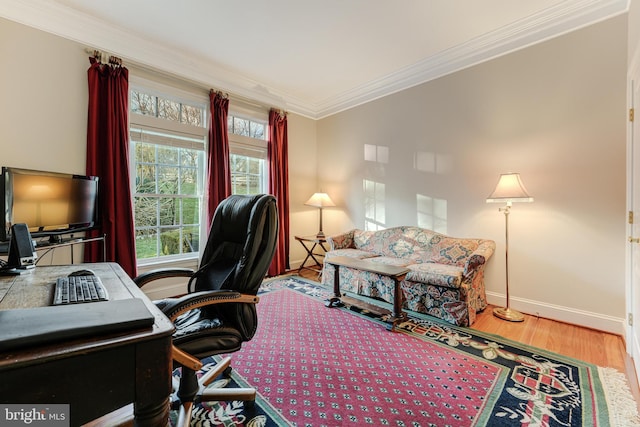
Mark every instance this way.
x=82 y=273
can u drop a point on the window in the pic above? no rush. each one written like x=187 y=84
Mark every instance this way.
x=167 y=150
x=168 y=138
x=247 y=154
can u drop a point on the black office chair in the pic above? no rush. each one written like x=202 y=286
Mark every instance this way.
x=219 y=313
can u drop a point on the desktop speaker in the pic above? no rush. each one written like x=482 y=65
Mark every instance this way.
x=22 y=252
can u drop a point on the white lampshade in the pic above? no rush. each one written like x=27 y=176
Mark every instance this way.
x=509 y=189
x=320 y=200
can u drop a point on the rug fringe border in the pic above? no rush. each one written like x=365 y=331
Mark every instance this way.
x=623 y=411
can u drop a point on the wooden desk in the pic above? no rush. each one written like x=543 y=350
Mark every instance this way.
x=94 y=376
x=397 y=274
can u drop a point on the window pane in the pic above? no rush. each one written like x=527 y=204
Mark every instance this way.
x=146 y=211
x=238 y=163
x=241 y=126
x=247 y=175
x=188 y=181
x=145 y=179
x=253 y=185
x=257 y=130
x=169 y=213
x=191 y=115
x=167 y=180
x=145 y=153
x=146 y=244
x=170 y=241
x=239 y=184
x=190 y=210
x=253 y=165
x=142 y=103
x=169 y=109
x=190 y=240
x=167 y=155
x=189 y=158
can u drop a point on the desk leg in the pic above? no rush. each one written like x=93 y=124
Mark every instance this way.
x=153 y=383
x=157 y=416
x=335 y=301
x=397 y=315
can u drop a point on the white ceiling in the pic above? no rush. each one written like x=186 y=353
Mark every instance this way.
x=313 y=58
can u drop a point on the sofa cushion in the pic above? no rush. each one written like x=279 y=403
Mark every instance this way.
x=451 y=250
x=353 y=253
x=397 y=262
x=449 y=276
x=398 y=242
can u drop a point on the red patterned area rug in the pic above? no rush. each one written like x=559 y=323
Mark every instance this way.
x=319 y=366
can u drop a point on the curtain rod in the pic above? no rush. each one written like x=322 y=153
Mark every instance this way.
x=100 y=56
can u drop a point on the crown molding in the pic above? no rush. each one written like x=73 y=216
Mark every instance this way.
x=552 y=22
x=91 y=33
x=65 y=22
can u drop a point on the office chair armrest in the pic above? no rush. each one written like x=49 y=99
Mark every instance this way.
x=164 y=273
x=174 y=307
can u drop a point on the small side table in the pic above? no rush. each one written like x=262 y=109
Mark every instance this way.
x=315 y=248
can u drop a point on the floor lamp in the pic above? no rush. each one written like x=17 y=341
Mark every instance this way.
x=320 y=200
x=509 y=189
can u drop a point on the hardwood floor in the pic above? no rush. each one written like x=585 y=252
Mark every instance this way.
x=589 y=345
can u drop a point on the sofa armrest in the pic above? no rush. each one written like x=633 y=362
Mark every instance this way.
x=477 y=260
x=341 y=241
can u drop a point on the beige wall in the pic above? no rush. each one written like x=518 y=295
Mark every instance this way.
x=43 y=107
x=555 y=113
x=303 y=182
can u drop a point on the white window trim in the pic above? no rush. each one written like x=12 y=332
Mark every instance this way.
x=151 y=124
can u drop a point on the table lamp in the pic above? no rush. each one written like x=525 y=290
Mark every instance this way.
x=508 y=190
x=320 y=200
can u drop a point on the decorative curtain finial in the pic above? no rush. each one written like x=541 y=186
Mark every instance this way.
x=281 y=113
x=220 y=93
x=114 y=60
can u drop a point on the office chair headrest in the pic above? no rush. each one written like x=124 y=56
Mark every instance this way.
x=241 y=244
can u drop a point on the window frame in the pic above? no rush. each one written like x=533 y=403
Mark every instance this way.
x=248 y=146
x=181 y=135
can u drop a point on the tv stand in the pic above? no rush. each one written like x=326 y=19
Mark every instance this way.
x=56 y=241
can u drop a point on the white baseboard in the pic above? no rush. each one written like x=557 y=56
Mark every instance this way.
x=588 y=319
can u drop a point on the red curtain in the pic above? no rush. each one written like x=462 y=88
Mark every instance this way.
x=108 y=158
x=279 y=187
x=218 y=166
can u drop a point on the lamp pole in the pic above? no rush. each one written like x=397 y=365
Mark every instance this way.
x=320 y=232
x=505 y=312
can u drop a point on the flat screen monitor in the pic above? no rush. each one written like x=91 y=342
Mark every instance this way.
x=49 y=203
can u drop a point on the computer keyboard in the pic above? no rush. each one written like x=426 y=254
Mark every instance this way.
x=79 y=289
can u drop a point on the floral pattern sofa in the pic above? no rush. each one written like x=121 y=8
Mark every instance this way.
x=446 y=277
